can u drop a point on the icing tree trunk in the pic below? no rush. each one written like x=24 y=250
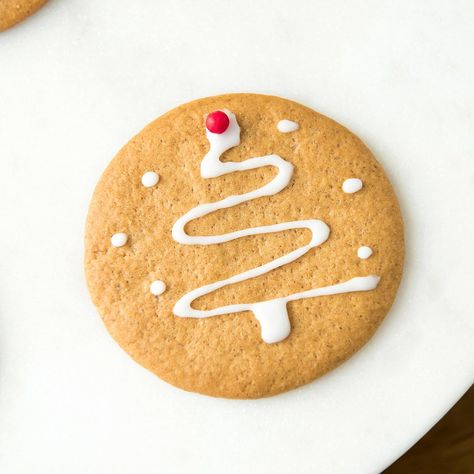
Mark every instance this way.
x=273 y=318
x=271 y=314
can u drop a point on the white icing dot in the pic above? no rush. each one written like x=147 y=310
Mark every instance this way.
x=352 y=185
x=157 y=287
x=286 y=126
x=150 y=178
x=364 y=252
x=119 y=240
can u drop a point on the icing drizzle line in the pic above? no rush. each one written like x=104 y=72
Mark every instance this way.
x=271 y=314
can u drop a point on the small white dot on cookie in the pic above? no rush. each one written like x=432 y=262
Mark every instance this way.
x=150 y=179
x=286 y=126
x=352 y=185
x=119 y=239
x=157 y=287
x=364 y=252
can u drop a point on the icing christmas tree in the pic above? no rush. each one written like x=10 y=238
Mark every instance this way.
x=223 y=133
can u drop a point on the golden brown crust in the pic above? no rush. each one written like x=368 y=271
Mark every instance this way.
x=225 y=356
x=14 y=11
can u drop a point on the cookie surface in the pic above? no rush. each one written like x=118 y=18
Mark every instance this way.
x=14 y=11
x=341 y=225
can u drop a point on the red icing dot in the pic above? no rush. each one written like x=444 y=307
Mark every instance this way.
x=217 y=122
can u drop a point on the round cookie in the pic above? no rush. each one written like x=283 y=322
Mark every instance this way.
x=14 y=11
x=240 y=272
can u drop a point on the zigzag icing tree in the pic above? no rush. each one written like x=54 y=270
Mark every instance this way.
x=223 y=133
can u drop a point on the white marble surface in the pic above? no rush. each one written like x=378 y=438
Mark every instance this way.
x=78 y=79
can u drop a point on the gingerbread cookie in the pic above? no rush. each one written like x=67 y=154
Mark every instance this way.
x=243 y=245
x=14 y=11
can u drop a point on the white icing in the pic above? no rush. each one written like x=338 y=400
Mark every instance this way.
x=157 y=287
x=286 y=126
x=119 y=239
x=352 y=185
x=272 y=314
x=364 y=252
x=150 y=178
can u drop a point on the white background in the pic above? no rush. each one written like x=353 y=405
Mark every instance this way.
x=81 y=77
